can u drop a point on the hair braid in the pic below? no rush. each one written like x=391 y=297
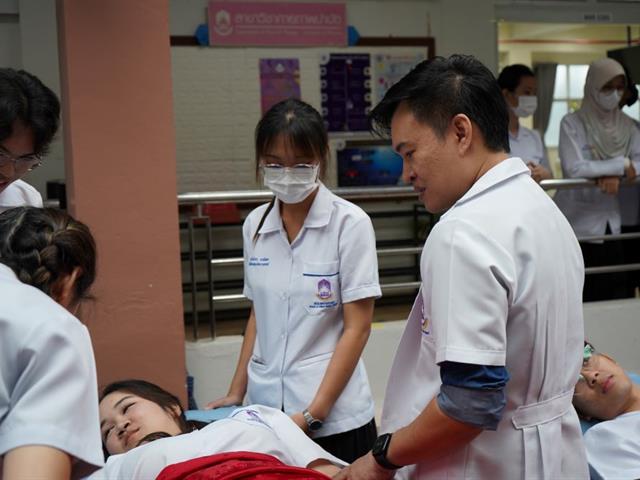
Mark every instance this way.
x=44 y=245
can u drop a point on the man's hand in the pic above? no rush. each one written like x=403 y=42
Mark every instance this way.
x=365 y=468
x=608 y=185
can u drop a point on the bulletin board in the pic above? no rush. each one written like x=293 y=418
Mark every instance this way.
x=218 y=101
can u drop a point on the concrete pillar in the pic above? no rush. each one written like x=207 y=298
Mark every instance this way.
x=121 y=180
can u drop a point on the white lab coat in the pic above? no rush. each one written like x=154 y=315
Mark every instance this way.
x=48 y=387
x=527 y=145
x=254 y=428
x=499 y=289
x=297 y=291
x=19 y=194
x=588 y=209
x=613 y=447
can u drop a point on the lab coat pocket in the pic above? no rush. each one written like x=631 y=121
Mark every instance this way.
x=259 y=386
x=321 y=287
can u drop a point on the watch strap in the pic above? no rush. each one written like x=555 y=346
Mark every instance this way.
x=379 y=452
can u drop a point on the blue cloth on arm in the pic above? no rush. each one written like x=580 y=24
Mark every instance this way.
x=473 y=394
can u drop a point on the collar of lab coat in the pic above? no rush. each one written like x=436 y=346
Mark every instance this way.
x=318 y=216
x=6 y=272
x=503 y=171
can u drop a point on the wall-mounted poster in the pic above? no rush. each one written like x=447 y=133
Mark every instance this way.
x=368 y=166
x=279 y=80
x=390 y=68
x=345 y=85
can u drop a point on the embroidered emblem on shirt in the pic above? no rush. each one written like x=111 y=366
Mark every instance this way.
x=424 y=322
x=250 y=415
x=324 y=289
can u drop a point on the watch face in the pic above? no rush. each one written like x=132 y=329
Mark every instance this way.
x=315 y=425
x=379 y=446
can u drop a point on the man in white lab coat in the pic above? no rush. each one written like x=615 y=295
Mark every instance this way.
x=483 y=378
x=29 y=119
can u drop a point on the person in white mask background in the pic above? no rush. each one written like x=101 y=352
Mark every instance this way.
x=518 y=85
x=599 y=141
x=311 y=273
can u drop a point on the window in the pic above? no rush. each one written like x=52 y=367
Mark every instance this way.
x=567 y=97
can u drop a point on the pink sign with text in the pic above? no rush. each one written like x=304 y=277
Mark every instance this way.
x=277 y=24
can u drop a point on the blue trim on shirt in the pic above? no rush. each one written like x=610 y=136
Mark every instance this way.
x=467 y=375
x=320 y=274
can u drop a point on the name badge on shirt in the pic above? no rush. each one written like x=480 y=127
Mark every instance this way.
x=259 y=261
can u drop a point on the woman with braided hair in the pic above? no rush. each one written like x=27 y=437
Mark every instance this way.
x=47 y=368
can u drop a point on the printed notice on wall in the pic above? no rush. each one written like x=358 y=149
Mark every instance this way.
x=279 y=80
x=277 y=23
x=391 y=68
x=345 y=84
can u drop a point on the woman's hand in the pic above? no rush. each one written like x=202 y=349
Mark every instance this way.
x=608 y=185
x=230 y=400
x=538 y=172
x=299 y=420
x=630 y=172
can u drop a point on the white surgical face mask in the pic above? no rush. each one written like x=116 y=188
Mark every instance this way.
x=609 y=101
x=527 y=105
x=291 y=184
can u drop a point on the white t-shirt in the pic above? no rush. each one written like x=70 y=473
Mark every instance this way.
x=19 y=194
x=613 y=447
x=502 y=277
x=254 y=428
x=48 y=387
x=298 y=290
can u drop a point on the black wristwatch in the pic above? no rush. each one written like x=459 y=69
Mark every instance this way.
x=379 y=452
x=313 y=423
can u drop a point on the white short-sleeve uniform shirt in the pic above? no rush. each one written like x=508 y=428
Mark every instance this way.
x=48 y=387
x=613 y=447
x=254 y=428
x=588 y=209
x=19 y=194
x=297 y=291
x=502 y=279
x=527 y=145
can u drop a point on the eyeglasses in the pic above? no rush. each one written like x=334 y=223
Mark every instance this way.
x=22 y=164
x=587 y=358
x=300 y=171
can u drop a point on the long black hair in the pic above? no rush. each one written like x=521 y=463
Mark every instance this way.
x=302 y=127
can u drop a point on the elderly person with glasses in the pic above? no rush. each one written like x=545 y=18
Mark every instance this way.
x=29 y=119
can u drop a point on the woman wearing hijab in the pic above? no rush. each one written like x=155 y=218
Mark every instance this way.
x=599 y=141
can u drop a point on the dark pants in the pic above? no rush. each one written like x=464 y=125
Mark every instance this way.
x=631 y=251
x=604 y=286
x=351 y=445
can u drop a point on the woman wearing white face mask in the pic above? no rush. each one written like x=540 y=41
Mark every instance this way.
x=311 y=273
x=518 y=85
x=599 y=141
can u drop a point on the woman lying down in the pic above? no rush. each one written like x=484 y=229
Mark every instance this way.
x=144 y=429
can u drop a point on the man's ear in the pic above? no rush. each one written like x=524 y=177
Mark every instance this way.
x=63 y=290
x=463 y=131
x=176 y=410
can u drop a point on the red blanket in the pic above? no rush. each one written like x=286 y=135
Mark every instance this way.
x=237 y=466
